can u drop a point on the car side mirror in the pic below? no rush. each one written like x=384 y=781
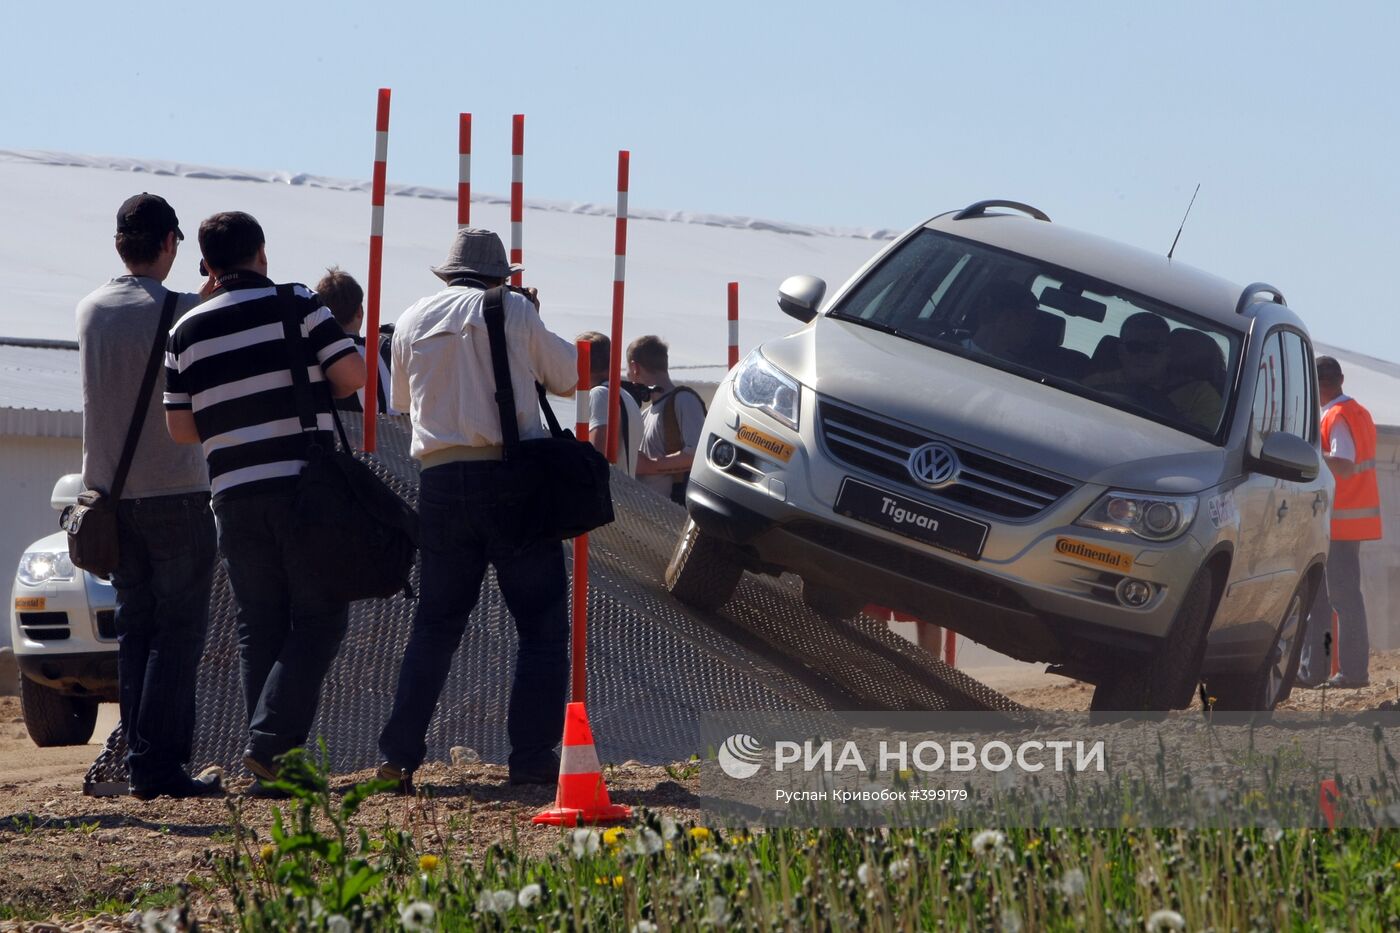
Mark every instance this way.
x=800 y=296
x=1287 y=456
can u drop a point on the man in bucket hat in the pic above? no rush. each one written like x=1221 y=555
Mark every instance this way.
x=467 y=501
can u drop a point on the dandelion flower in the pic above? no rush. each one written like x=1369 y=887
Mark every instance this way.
x=988 y=842
x=617 y=881
x=1011 y=921
x=585 y=842
x=336 y=923
x=417 y=916
x=719 y=910
x=866 y=874
x=899 y=869
x=643 y=926
x=648 y=842
x=268 y=852
x=669 y=829
x=905 y=774
x=613 y=837
x=529 y=895
x=428 y=862
x=495 y=902
x=1072 y=883
x=699 y=833
x=1164 y=921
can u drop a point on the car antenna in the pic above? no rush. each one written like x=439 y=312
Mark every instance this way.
x=1183 y=220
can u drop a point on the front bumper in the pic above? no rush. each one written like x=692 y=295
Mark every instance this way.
x=89 y=674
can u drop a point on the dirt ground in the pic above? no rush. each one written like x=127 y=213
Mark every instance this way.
x=63 y=852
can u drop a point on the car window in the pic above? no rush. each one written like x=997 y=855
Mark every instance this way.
x=1299 y=409
x=1266 y=416
x=1046 y=323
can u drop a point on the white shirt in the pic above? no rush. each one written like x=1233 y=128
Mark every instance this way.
x=1341 y=444
x=442 y=372
x=627 y=443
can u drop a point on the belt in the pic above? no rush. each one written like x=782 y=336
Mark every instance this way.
x=460 y=454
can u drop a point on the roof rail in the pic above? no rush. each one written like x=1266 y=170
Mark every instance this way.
x=1254 y=288
x=38 y=343
x=980 y=210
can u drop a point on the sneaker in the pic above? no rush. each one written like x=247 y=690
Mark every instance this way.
x=545 y=772
x=1343 y=682
x=206 y=785
x=401 y=776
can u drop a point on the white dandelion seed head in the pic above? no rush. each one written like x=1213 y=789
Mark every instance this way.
x=417 y=916
x=1072 y=883
x=585 y=842
x=1165 y=921
x=529 y=895
x=899 y=869
x=988 y=842
x=336 y=923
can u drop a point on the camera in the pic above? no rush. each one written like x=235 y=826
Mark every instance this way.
x=203 y=269
x=642 y=393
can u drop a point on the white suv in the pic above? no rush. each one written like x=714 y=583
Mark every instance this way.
x=63 y=626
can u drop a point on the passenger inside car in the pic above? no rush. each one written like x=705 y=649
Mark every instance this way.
x=1143 y=360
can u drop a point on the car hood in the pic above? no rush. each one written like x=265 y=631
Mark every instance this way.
x=57 y=542
x=1002 y=413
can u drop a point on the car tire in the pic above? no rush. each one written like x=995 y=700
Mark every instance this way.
x=1265 y=687
x=1166 y=680
x=831 y=604
x=704 y=570
x=54 y=718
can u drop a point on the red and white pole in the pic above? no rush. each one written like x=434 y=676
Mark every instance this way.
x=517 y=192
x=624 y=158
x=950 y=647
x=376 y=268
x=580 y=604
x=464 y=170
x=733 y=324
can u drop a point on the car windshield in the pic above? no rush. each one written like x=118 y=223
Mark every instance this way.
x=1052 y=325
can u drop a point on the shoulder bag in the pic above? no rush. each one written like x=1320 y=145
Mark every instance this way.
x=571 y=477
x=353 y=535
x=93 y=541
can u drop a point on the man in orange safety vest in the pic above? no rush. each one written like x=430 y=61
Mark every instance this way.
x=1349 y=447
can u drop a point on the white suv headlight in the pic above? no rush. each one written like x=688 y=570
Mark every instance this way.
x=761 y=385
x=1155 y=518
x=37 y=567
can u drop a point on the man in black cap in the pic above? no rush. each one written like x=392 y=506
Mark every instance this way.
x=165 y=528
x=468 y=503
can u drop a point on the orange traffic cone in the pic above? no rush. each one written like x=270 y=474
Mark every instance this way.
x=582 y=796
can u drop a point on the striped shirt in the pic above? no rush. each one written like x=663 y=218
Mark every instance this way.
x=356 y=402
x=227 y=361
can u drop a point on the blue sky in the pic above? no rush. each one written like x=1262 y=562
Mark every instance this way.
x=1105 y=115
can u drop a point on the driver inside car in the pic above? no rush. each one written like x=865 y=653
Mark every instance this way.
x=1003 y=322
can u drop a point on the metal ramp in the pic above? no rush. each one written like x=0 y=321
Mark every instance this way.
x=654 y=664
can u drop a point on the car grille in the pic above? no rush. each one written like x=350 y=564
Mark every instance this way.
x=986 y=483
x=44 y=626
x=106 y=623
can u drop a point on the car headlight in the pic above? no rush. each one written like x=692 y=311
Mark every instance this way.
x=759 y=384
x=1155 y=518
x=37 y=567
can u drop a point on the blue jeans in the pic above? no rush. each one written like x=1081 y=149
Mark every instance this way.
x=162 y=582
x=468 y=513
x=288 y=632
x=1340 y=590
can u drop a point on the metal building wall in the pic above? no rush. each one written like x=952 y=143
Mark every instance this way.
x=1380 y=560
x=29 y=466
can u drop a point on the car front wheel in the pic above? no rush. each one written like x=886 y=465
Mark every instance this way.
x=1166 y=680
x=704 y=570
x=54 y=718
x=1270 y=684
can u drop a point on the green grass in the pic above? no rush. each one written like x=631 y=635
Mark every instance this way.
x=654 y=874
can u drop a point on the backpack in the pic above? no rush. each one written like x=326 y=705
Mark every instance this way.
x=671 y=422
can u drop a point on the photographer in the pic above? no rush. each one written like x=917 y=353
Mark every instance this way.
x=470 y=502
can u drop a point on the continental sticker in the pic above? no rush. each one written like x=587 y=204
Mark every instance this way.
x=1094 y=554
x=761 y=440
x=29 y=603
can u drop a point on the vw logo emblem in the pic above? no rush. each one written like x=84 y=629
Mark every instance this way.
x=933 y=465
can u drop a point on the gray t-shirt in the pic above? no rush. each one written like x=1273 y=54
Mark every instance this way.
x=690 y=414
x=628 y=443
x=116 y=328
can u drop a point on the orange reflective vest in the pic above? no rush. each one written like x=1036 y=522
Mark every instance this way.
x=1356 y=512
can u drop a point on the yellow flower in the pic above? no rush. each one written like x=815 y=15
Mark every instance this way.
x=740 y=839
x=906 y=773
x=599 y=879
x=617 y=881
x=428 y=862
x=699 y=832
x=1033 y=844
x=614 y=836
x=1396 y=866
x=268 y=852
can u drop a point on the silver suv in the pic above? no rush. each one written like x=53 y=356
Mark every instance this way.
x=1067 y=449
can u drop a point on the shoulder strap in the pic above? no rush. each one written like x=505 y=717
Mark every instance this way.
x=495 y=313
x=296 y=362
x=143 y=397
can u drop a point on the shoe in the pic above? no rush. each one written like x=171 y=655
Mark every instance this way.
x=264 y=791
x=1343 y=682
x=401 y=776
x=547 y=772
x=1309 y=684
x=183 y=787
x=261 y=771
